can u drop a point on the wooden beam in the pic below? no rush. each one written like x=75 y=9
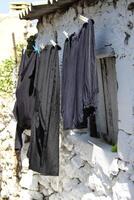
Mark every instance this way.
x=38 y=10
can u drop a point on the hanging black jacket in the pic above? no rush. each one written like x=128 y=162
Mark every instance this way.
x=25 y=100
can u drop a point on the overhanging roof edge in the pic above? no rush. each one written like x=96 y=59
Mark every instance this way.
x=38 y=9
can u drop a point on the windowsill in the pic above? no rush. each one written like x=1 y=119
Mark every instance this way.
x=85 y=137
x=94 y=150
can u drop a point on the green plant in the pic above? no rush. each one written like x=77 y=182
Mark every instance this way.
x=114 y=148
x=8 y=70
x=6 y=77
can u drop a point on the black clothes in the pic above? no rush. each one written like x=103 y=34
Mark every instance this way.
x=86 y=75
x=79 y=81
x=69 y=80
x=92 y=122
x=23 y=63
x=38 y=97
x=44 y=145
x=25 y=100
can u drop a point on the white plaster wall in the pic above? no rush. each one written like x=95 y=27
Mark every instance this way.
x=110 y=27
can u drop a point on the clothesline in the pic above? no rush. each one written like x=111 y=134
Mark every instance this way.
x=81 y=17
x=100 y=53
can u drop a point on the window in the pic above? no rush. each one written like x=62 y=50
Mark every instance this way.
x=107 y=112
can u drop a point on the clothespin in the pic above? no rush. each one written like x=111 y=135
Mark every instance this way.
x=72 y=132
x=53 y=43
x=85 y=19
x=66 y=34
x=42 y=46
x=36 y=49
x=24 y=50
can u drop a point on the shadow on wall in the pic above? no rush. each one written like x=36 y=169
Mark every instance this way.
x=84 y=171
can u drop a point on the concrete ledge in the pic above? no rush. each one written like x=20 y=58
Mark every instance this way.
x=93 y=150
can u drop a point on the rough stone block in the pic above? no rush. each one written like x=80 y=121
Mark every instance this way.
x=81 y=145
x=76 y=193
x=13 y=186
x=2 y=126
x=123 y=188
x=69 y=184
x=30 y=195
x=96 y=185
x=44 y=181
x=4 y=191
x=77 y=161
x=25 y=164
x=44 y=191
x=55 y=184
x=68 y=144
x=55 y=197
x=114 y=169
x=125 y=146
x=29 y=181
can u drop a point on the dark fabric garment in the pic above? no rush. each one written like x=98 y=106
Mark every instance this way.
x=69 y=80
x=86 y=75
x=44 y=145
x=79 y=77
x=24 y=59
x=92 y=122
x=25 y=99
x=93 y=128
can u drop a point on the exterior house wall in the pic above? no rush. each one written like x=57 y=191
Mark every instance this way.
x=113 y=27
x=89 y=170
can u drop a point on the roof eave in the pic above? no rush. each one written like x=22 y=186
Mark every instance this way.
x=36 y=10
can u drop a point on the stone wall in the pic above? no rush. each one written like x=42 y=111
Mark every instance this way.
x=9 y=183
x=88 y=168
